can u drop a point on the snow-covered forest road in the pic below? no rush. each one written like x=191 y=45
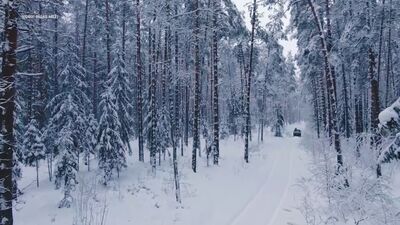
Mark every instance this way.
x=263 y=192
x=274 y=201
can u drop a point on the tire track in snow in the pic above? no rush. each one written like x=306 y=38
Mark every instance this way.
x=233 y=221
x=264 y=207
x=284 y=196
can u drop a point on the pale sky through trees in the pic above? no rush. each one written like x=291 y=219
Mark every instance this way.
x=289 y=46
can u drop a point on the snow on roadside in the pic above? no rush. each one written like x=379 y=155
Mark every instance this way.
x=367 y=200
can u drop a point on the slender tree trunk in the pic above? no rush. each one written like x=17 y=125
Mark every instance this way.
x=175 y=140
x=31 y=90
x=37 y=172
x=84 y=34
x=56 y=89
x=139 y=83
x=375 y=109
x=55 y=53
x=358 y=117
x=316 y=106
x=153 y=112
x=94 y=86
x=9 y=64
x=322 y=102
x=248 y=85
x=264 y=99
x=187 y=103
x=108 y=36
x=358 y=114
x=216 y=8
x=331 y=92
x=389 y=58
x=178 y=93
x=88 y=161
x=42 y=79
x=381 y=41
x=175 y=162
x=174 y=103
x=50 y=164
x=332 y=79
x=124 y=31
x=161 y=88
x=242 y=83
x=346 y=105
x=196 y=119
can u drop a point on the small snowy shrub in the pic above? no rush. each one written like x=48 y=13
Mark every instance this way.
x=367 y=200
x=88 y=208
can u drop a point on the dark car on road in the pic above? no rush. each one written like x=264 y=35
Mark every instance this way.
x=296 y=132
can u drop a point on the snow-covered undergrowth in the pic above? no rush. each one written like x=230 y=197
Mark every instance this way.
x=214 y=195
x=389 y=124
x=366 y=201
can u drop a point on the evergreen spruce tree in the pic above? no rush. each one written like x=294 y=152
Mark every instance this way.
x=110 y=148
x=34 y=149
x=91 y=140
x=279 y=122
x=67 y=163
x=118 y=83
x=68 y=115
x=19 y=157
x=163 y=132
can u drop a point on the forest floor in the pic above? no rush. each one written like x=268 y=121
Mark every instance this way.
x=265 y=191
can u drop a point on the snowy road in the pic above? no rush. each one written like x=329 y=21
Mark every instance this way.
x=270 y=205
x=263 y=192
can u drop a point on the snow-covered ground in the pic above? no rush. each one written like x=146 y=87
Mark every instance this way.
x=262 y=192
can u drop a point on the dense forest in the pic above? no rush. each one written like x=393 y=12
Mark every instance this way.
x=88 y=85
